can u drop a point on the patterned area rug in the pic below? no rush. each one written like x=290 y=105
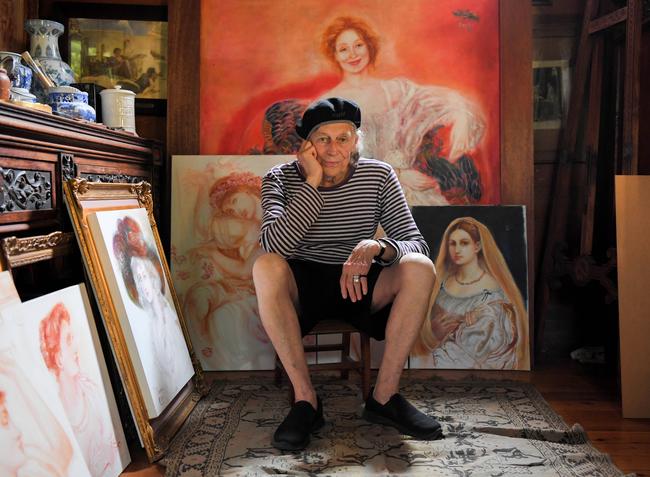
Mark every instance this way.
x=492 y=428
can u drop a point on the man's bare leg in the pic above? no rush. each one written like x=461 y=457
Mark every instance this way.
x=408 y=285
x=277 y=298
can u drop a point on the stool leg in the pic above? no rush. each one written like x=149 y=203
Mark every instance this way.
x=365 y=361
x=345 y=353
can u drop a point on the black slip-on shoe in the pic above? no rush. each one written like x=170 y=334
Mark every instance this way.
x=403 y=416
x=293 y=433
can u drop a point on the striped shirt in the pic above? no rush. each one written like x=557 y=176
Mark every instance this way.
x=325 y=225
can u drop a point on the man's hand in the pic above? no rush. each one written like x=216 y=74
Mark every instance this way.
x=358 y=265
x=309 y=165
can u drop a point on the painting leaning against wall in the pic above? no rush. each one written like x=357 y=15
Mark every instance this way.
x=479 y=317
x=216 y=218
x=58 y=329
x=428 y=85
x=144 y=304
x=36 y=437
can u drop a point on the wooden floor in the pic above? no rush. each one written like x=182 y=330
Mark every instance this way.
x=587 y=395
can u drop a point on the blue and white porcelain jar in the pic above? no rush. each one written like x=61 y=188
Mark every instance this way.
x=20 y=75
x=44 y=47
x=70 y=102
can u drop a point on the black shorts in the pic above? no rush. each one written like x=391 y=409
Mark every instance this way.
x=319 y=294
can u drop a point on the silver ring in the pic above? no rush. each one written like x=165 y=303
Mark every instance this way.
x=355 y=278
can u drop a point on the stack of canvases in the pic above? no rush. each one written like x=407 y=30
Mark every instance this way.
x=58 y=416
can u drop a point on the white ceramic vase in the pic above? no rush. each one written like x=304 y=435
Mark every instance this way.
x=44 y=47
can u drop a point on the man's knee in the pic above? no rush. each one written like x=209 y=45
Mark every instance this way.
x=270 y=267
x=417 y=267
x=417 y=263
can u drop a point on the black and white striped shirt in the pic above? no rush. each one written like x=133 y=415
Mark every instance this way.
x=325 y=225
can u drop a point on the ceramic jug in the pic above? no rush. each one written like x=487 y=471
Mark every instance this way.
x=20 y=76
x=118 y=108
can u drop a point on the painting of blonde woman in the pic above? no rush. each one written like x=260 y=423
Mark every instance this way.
x=35 y=436
x=144 y=304
x=216 y=217
x=431 y=112
x=478 y=317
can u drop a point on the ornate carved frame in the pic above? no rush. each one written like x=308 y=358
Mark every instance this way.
x=83 y=198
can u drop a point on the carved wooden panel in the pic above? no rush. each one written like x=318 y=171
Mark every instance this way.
x=22 y=189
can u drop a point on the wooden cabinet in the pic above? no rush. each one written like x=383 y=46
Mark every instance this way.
x=38 y=151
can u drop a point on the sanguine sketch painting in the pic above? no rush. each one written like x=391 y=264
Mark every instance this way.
x=144 y=304
x=36 y=438
x=60 y=329
x=216 y=217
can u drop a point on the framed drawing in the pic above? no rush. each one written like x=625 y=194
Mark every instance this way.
x=551 y=83
x=58 y=331
x=119 y=241
x=124 y=46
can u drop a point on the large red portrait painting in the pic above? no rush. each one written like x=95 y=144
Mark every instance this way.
x=425 y=74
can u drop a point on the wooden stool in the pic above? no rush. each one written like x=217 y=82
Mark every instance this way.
x=362 y=365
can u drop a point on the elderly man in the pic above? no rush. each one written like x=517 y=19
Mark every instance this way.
x=321 y=213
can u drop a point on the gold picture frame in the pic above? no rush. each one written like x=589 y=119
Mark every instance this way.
x=82 y=199
x=18 y=252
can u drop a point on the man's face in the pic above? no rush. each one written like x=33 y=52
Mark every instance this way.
x=334 y=144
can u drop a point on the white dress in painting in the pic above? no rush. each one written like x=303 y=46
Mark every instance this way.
x=484 y=340
x=394 y=132
x=166 y=340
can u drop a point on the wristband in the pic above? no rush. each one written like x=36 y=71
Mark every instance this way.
x=382 y=249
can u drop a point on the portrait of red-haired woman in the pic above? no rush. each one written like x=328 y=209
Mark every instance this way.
x=427 y=86
x=149 y=307
x=81 y=395
x=214 y=271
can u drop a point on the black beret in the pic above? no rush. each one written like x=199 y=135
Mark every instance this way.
x=330 y=110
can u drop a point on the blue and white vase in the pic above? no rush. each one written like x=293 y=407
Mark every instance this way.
x=20 y=75
x=44 y=47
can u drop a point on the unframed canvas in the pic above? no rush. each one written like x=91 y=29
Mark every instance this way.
x=216 y=218
x=144 y=304
x=8 y=293
x=36 y=438
x=59 y=331
x=479 y=318
x=428 y=85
